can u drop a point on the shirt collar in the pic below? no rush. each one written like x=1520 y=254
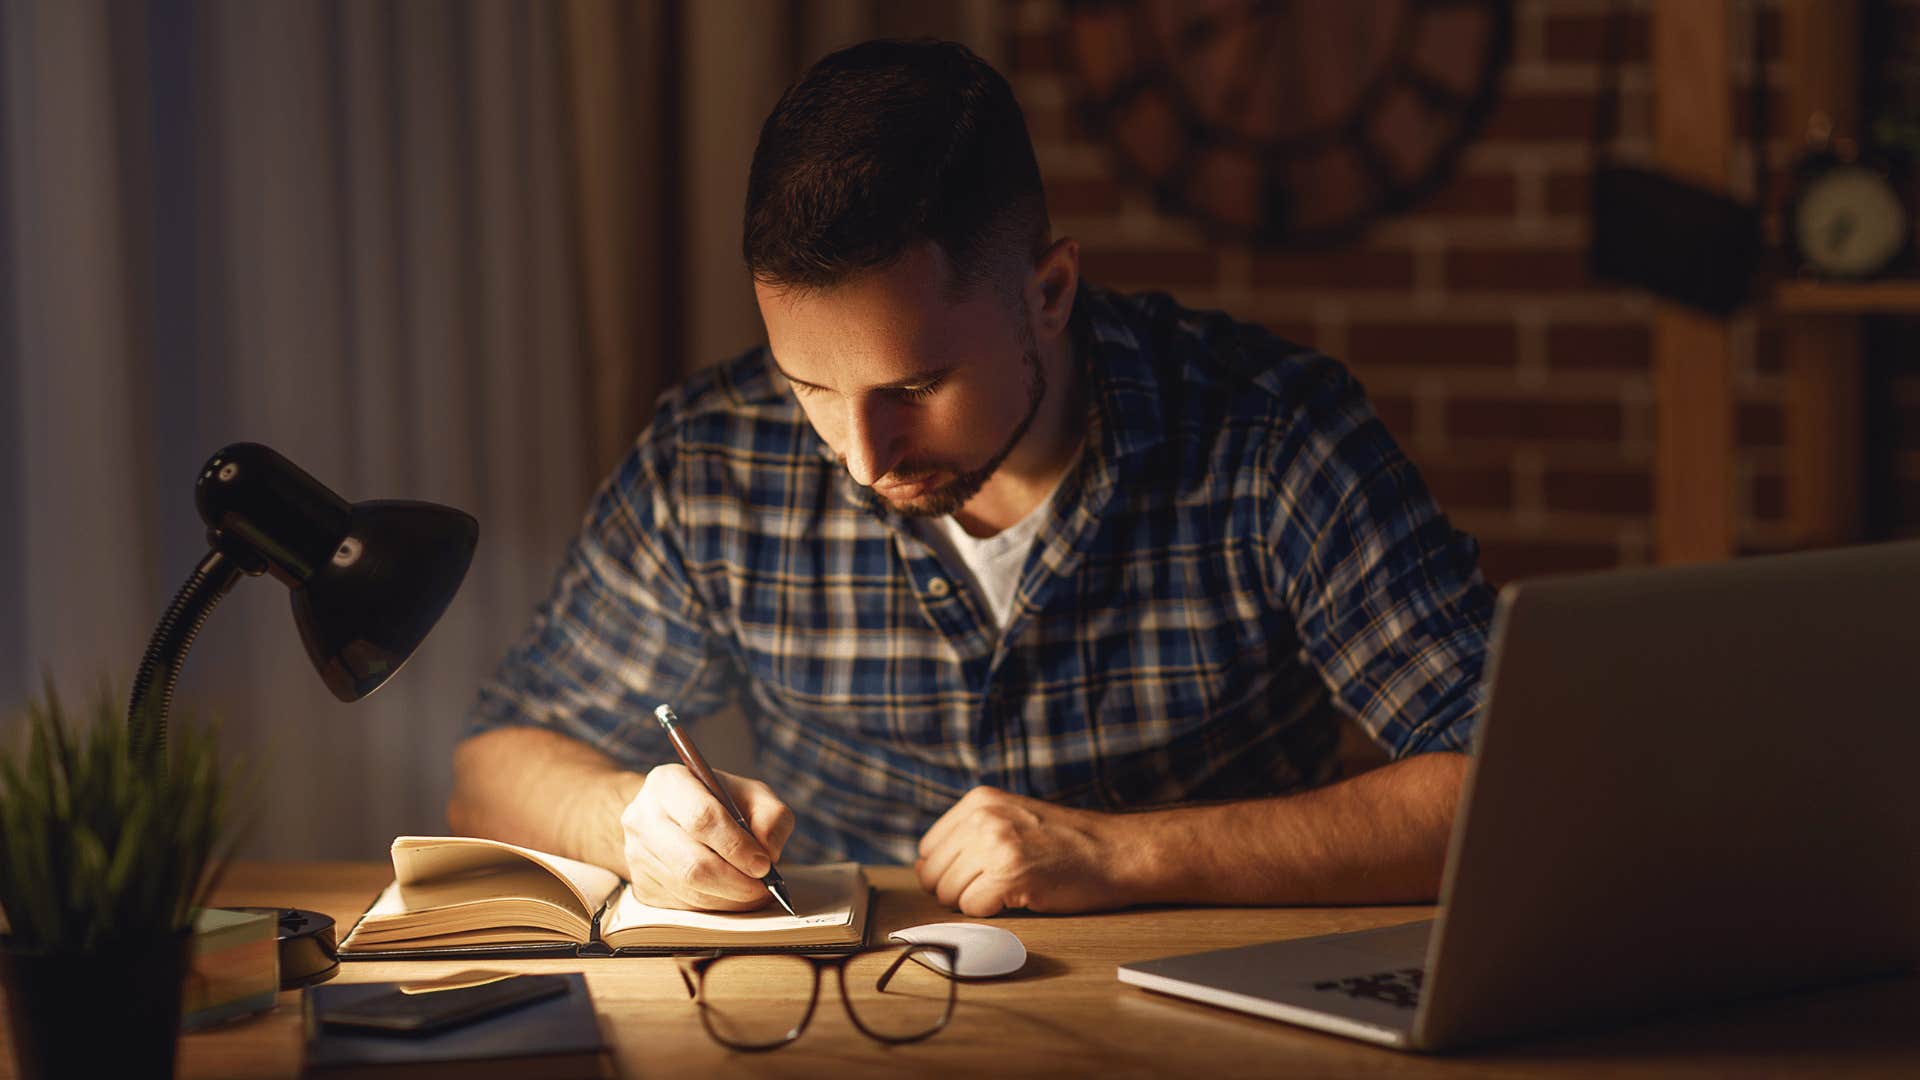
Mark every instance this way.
x=1123 y=389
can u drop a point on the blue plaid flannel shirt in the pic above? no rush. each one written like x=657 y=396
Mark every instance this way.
x=1242 y=555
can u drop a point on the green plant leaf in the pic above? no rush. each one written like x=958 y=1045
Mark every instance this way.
x=99 y=845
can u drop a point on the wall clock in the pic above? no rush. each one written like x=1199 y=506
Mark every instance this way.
x=1289 y=122
x=1846 y=217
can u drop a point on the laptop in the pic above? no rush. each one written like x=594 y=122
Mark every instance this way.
x=1689 y=785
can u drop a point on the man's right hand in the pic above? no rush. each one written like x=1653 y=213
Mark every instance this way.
x=684 y=850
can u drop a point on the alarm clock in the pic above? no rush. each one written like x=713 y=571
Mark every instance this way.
x=1846 y=218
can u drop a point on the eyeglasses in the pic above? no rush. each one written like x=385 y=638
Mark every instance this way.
x=763 y=1002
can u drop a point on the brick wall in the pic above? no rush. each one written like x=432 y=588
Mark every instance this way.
x=1521 y=386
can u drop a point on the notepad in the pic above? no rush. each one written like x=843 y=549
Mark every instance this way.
x=556 y=1038
x=466 y=896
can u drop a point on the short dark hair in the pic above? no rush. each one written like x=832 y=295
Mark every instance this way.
x=881 y=147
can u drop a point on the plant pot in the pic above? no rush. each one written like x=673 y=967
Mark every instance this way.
x=114 y=1012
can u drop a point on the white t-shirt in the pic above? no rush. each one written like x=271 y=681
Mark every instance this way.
x=991 y=564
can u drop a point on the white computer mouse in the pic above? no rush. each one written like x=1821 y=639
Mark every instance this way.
x=980 y=951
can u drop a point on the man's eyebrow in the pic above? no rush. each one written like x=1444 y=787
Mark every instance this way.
x=917 y=379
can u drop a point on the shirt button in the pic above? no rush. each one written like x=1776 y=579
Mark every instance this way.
x=938 y=587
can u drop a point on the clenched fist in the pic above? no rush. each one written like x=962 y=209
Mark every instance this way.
x=684 y=850
x=996 y=850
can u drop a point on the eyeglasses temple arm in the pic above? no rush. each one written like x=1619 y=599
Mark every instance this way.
x=886 y=976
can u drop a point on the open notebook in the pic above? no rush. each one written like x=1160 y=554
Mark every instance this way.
x=459 y=896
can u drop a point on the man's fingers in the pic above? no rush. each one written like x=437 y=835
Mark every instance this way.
x=651 y=889
x=933 y=865
x=705 y=819
x=684 y=841
x=937 y=833
x=696 y=900
x=648 y=886
x=983 y=898
x=703 y=879
x=688 y=857
x=964 y=863
x=957 y=876
x=781 y=832
x=772 y=821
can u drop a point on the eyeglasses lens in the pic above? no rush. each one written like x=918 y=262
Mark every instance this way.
x=757 y=1001
x=896 y=994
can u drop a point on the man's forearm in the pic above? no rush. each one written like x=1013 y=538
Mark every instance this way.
x=1380 y=837
x=542 y=790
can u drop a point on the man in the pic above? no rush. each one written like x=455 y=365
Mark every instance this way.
x=1056 y=594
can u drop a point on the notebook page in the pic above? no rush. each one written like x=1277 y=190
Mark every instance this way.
x=421 y=859
x=391 y=923
x=822 y=895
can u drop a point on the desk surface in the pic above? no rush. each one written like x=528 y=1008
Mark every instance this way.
x=1068 y=1014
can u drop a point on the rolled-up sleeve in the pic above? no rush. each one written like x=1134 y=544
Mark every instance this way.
x=1387 y=596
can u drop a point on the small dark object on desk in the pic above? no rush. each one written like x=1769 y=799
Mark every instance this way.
x=428 y=1010
x=308 y=952
x=556 y=1038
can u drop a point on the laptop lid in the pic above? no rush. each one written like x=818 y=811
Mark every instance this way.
x=1690 y=784
x=1363 y=984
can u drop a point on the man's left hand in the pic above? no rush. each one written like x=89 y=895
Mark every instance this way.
x=995 y=850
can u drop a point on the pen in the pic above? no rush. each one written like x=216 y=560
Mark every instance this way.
x=690 y=757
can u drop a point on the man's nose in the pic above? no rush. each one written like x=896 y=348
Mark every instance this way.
x=873 y=438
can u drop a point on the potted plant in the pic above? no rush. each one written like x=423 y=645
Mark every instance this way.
x=104 y=855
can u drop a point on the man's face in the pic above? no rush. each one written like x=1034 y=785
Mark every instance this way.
x=920 y=395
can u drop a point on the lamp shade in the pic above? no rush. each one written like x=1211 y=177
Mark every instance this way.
x=369 y=579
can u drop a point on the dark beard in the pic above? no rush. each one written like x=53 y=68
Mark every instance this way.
x=955 y=494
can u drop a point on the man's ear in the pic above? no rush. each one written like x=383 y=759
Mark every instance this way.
x=1052 y=286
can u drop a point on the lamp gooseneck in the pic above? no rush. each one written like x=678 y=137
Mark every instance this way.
x=152 y=695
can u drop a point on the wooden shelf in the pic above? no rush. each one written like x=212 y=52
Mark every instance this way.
x=1895 y=296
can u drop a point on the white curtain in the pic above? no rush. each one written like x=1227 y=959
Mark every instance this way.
x=434 y=250
x=342 y=231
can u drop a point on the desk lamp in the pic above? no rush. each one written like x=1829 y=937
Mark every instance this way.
x=368 y=581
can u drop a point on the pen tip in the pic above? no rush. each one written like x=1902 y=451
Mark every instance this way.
x=777 y=895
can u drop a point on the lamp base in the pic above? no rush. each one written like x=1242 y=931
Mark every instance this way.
x=308 y=952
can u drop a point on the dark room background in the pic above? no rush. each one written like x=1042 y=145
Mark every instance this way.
x=453 y=251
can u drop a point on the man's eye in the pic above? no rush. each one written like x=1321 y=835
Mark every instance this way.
x=924 y=390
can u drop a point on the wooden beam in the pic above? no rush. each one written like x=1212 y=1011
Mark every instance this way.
x=1693 y=401
x=1825 y=444
x=1820 y=45
x=1693 y=354
x=1824 y=427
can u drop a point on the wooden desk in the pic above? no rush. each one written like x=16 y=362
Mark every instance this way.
x=1068 y=1015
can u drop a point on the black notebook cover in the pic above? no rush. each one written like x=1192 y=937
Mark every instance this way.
x=558 y=1037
